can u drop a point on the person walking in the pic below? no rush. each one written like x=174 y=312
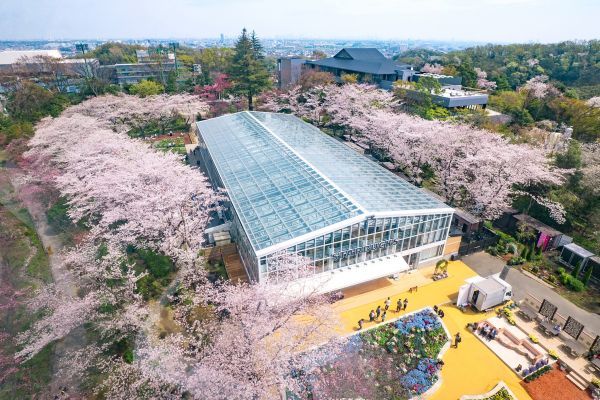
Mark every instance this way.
x=372 y=316
x=457 y=340
x=360 y=324
x=405 y=303
x=388 y=303
x=378 y=311
x=399 y=305
x=383 y=316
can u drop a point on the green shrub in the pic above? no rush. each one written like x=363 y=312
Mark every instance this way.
x=158 y=265
x=535 y=269
x=576 y=285
x=492 y=251
x=525 y=254
x=512 y=248
x=58 y=216
x=542 y=371
x=561 y=270
x=538 y=253
x=588 y=274
x=576 y=270
x=530 y=252
x=516 y=261
x=123 y=348
x=571 y=282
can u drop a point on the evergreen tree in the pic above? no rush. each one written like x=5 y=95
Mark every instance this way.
x=531 y=252
x=468 y=74
x=257 y=47
x=588 y=274
x=248 y=71
x=525 y=253
x=539 y=252
x=576 y=270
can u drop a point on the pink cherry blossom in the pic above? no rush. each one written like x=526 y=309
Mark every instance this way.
x=475 y=169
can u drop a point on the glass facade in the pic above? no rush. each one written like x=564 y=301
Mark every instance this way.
x=277 y=195
x=293 y=188
x=372 y=238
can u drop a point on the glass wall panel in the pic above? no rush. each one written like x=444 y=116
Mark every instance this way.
x=354 y=244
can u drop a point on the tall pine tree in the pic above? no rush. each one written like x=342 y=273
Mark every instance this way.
x=248 y=71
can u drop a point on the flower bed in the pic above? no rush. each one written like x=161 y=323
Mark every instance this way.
x=397 y=360
x=499 y=392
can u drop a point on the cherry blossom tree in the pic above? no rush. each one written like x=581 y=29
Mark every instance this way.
x=594 y=102
x=232 y=341
x=538 y=88
x=591 y=166
x=127 y=194
x=331 y=104
x=483 y=82
x=214 y=91
x=432 y=68
x=247 y=345
x=475 y=169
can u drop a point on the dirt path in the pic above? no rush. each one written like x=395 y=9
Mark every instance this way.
x=64 y=281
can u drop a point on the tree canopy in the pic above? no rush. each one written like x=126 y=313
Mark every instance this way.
x=248 y=71
x=115 y=53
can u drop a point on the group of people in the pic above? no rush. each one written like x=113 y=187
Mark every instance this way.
x=487 y=331
x=439 y=311
x=381 y=313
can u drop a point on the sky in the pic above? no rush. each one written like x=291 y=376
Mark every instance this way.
x=448 y=20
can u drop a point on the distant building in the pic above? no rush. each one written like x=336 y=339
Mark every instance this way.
x=145 y=56
x=452 y=94
x=367 y=63
x=289 y=70
x=46 y=68
x=128 y=74
x=13 y=56
x=18 y=60
x=370 y=65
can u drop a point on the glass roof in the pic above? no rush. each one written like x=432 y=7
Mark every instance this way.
x=286 y=178
x=276 y=195
x=368 y=184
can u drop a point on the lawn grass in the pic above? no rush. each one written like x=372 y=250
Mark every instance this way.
x=176 y=145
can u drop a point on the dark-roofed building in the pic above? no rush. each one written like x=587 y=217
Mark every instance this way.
x=367 y=63
x=289 y=70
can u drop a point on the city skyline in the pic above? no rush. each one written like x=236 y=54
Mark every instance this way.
x=497 y=21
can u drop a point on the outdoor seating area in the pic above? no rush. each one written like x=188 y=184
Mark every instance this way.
x=564 y=337
x=547 y=323
x=575 y=348
x=511 y=345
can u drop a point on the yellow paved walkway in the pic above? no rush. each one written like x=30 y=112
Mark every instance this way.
x=470 y=369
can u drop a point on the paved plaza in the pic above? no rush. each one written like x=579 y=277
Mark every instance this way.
x=471 y=368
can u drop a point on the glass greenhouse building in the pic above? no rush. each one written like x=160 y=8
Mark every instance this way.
x=292 y=187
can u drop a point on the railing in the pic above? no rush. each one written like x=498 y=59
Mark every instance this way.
x=473 y=246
